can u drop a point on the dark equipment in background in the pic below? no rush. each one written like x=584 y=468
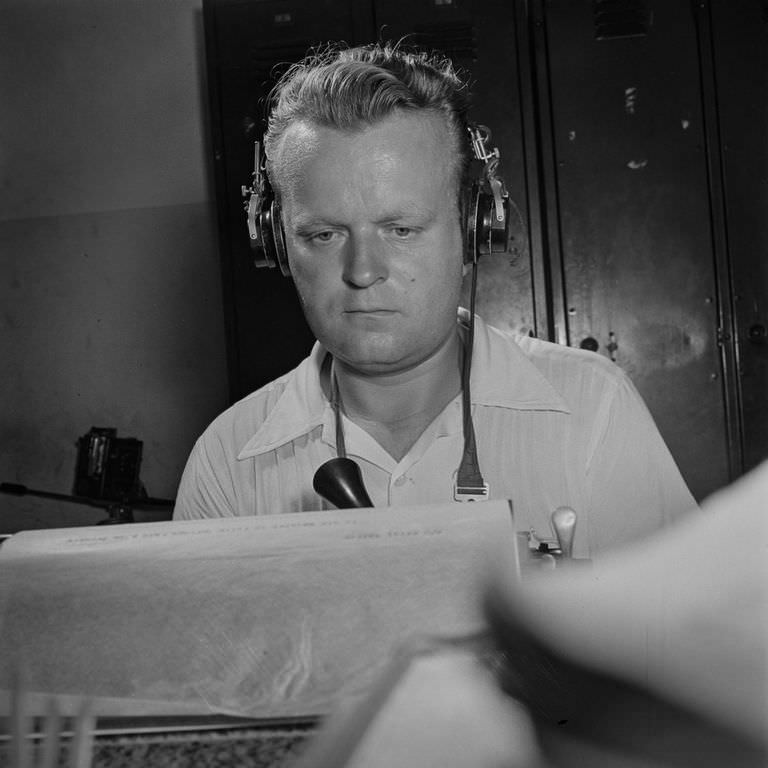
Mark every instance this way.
x=106 y=476
x=107 y=465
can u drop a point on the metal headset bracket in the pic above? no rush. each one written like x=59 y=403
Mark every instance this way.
x=263 y=218
x=480 y=135
x=255 y=194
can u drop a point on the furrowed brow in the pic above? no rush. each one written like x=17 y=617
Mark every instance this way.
x=303 y=224
x=413 y=213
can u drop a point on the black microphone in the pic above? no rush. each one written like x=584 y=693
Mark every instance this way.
x=340 y=482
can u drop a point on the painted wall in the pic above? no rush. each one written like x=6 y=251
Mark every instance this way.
x=110 y=292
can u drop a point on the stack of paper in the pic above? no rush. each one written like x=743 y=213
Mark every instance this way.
x=269 y=616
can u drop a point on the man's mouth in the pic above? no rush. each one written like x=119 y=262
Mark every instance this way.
x=370 y=312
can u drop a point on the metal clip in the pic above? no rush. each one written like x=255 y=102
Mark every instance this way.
x=541 y=546
x=256 y=184
x=481 y=136
x=254 y=194
x=497 y=187
x=470 y=492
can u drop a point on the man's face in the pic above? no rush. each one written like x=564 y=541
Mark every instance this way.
x=373 y=237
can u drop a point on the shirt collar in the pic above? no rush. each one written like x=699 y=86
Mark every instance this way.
x=300 y=408
x=502 y=376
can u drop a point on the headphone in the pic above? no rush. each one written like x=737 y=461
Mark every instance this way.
x=485 y=209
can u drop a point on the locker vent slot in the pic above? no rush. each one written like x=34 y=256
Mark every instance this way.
x=264 y=58
x=457 y=40
x=621 y=18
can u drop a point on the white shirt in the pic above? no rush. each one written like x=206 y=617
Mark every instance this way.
x=554 y=425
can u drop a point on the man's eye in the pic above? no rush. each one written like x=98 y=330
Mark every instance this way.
x=402 y=232
x=323 y=237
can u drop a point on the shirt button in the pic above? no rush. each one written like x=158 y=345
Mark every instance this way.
x=400 y=481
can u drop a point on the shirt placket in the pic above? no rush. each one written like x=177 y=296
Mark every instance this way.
x=406 y=476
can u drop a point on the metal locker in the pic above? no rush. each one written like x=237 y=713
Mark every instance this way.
x=736 y=65
x=635 y=260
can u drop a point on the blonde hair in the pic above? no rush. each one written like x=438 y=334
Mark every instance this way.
x=350 y=88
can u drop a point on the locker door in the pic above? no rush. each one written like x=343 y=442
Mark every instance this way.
x=740 y=69
x=639 y=279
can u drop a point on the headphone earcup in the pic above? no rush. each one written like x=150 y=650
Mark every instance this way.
x=278 y=239
x=470 y=197
x=483 y=231
x=263 y=242
x=267 y=236
x=265 y=223
x=491 y=232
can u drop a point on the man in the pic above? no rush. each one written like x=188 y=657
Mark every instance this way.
x=367 y=153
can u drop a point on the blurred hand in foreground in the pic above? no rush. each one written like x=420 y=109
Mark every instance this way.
x=656 y=657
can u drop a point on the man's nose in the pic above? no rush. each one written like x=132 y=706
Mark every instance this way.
x=365 y=261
